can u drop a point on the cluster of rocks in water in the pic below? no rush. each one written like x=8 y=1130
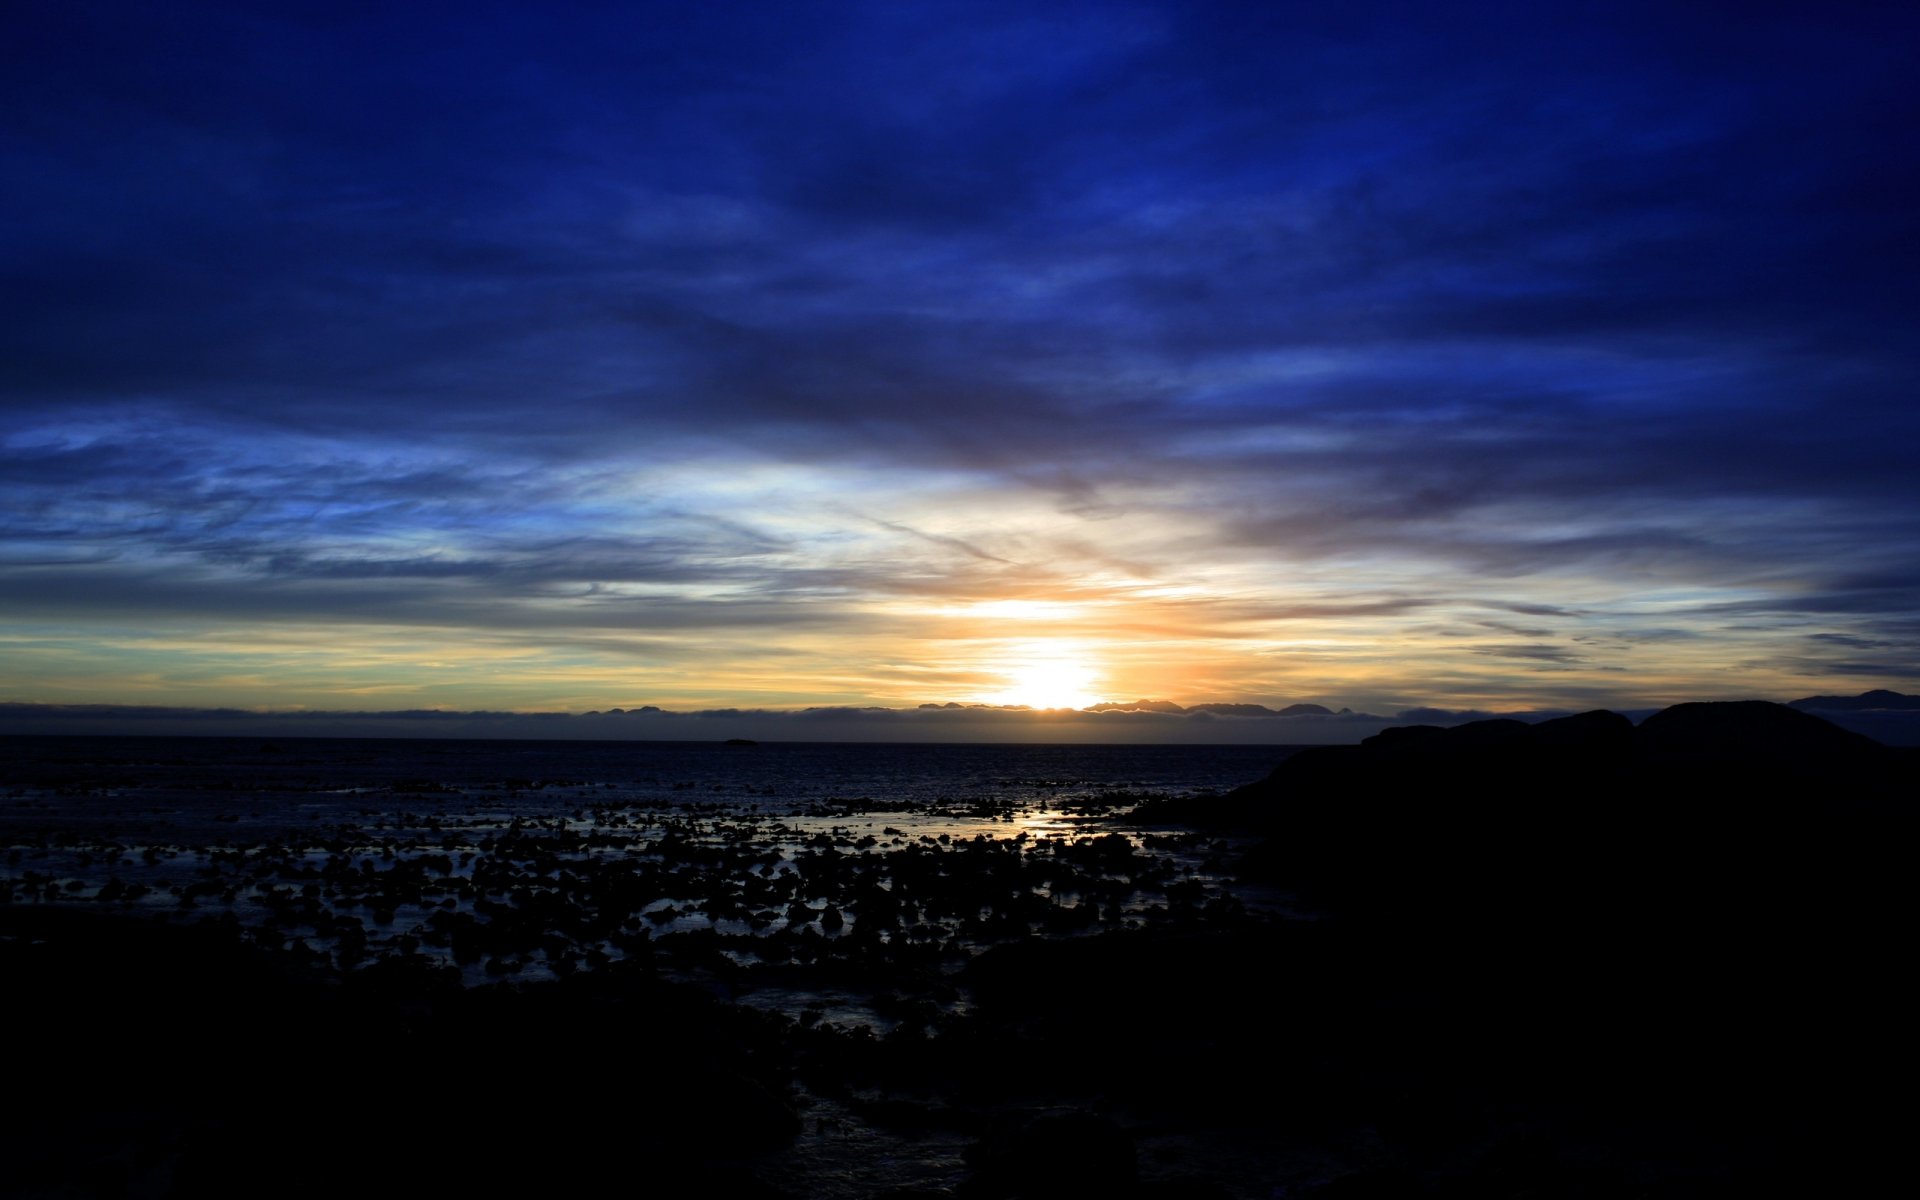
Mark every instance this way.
x=697 y=886
x=1577 y=958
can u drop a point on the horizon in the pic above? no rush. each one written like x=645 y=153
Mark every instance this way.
x=553 y=359
x=1889 y=717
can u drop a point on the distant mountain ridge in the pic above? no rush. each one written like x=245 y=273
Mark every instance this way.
x=1877 y=700
x=1218 y=708
x=1889 y=717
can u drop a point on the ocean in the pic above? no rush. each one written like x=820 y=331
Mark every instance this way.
x=836 y=893
x=350 y=849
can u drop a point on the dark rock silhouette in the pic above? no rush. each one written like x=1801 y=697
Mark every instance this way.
x=1755 y=730
x=1592 y=755
x=1602 y=906
x=1053 y=1153
x=233 y=1021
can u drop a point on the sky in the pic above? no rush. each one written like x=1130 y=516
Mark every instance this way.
x=564 y=357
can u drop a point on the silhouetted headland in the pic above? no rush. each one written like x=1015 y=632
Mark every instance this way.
x=1683 y=929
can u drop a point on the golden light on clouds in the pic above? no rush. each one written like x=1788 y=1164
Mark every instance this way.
x=1049 y=675
x=1022 y=610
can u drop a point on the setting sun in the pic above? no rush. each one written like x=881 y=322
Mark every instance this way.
x=1050 y=683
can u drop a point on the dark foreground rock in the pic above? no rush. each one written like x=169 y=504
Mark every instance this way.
x=152 y=1060
x=1057 y=1152
x=1671 y=944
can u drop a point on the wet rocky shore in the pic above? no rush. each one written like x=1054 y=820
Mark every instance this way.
x=1569 y=959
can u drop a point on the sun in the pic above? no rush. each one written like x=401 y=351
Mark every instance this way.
x=1050 y=683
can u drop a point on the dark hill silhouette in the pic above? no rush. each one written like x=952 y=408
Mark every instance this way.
x=1770 y=732
x=1707 y=753
x=1692 y=916
x=1423 y=817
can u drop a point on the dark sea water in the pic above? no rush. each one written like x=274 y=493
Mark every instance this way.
x=233 y=791
x=538 y=775
x=838 y=890
x=187 y=825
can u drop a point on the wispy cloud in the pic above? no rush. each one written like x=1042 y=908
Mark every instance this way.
x=1292 y=344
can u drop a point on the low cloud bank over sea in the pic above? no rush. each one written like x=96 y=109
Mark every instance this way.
x=1887 y=716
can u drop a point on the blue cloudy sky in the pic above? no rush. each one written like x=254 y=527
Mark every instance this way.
x=567 y=356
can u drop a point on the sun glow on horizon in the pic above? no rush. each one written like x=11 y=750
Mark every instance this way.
x=1052 y=681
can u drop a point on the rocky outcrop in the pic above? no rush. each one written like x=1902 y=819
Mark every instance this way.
x=1752 y=730
x=1718 y=748
x=1706 y=901
x=1427 y=820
